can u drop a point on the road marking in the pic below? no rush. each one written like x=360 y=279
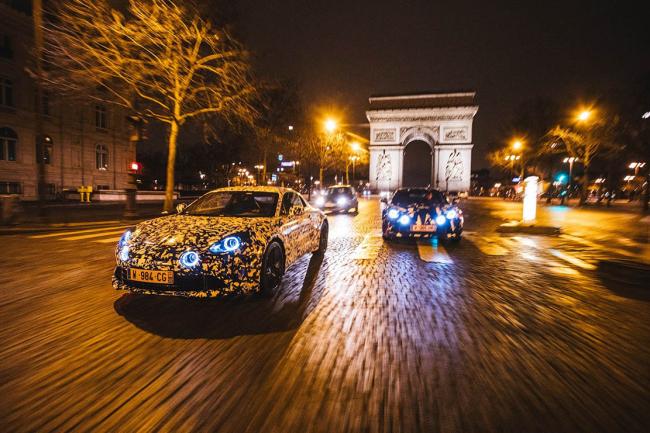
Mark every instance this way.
x=89 y=223
x=487 y=244
x=597 y=246
x=75 y=232
x=571 y=259
x=93 y=235
x=433 y=252
x=111 y=240
x=369 y=247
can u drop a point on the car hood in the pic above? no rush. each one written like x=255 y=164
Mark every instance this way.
x=179 y=231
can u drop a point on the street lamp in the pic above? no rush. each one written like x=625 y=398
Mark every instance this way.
x=290 y=128
x=584 y=115
x=330 y=125
x=636 y=166
x=570 y=161
x=517 y=145
x=354 y=160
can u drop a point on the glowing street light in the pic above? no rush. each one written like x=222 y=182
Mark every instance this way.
x=517 y=145
x=636 y=166
x=290 y=127
x=584 y=115
x=330 y=125
x=355 y=146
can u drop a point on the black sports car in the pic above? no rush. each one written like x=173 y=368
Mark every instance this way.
x=420 y=213
x=231 y=240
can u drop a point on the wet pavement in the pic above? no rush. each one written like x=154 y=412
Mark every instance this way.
x=499 y=333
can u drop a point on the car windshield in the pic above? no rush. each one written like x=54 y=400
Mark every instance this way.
x=410 y=197
x=235 y=204
x=339 y=190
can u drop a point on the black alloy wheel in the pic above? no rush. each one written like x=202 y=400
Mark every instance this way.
x=272 y=268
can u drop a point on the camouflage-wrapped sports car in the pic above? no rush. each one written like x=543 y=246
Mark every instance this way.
x=231 y=240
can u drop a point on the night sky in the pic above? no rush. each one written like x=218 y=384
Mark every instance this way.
x=342 y=52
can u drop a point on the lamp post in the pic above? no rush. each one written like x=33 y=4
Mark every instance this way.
x=570 y=161
x=259 y=168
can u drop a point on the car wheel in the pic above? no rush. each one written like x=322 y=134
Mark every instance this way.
x=272 y=268
x=322 y=240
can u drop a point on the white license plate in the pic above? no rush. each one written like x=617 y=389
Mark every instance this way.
x=147 y=276
x=423 y=228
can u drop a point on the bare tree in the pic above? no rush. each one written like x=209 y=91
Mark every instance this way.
x=160 y=59
x=584 y=142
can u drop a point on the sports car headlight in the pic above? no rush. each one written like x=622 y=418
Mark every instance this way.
x=451 y=214
x=405 y=220
x=392 y=214
x=126 y=237
x=341 y=201
x=440 y=220
x=189 y=259
x=124 y=253
x=226 y=245
x=320 y=200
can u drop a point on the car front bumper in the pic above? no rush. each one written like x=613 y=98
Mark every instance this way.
x=195 y=285
x=450 y=228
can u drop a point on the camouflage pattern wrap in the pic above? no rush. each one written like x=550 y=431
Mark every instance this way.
x=158 y=243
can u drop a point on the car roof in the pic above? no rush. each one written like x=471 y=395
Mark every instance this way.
x=339 y=186
x=261 y=188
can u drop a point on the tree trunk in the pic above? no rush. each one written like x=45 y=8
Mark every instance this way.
x=171 y=160
x=347 y=171
x=320 y=176
x=585 y=184
x=264 y=164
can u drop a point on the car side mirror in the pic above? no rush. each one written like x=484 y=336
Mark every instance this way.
x=180 y=207
x=455 y=200
x=384 y=200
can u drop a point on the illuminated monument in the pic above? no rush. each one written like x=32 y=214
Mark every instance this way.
x=421 y=139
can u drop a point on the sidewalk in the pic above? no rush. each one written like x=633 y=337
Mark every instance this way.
x=63 y=215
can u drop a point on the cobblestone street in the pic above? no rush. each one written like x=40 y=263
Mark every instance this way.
x=496 y=333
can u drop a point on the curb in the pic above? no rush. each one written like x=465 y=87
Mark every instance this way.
x=531 y=229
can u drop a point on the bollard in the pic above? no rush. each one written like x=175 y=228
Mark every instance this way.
x=81 y=190
x=89 y=189
x=530 y=199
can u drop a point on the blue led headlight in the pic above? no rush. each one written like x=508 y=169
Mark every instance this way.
x=440 y=220
x=126 y=237
x=189 y=259
x=405 y=220
x=392 y=214
x=451 y=214
x=226 y=245
x=124 y=253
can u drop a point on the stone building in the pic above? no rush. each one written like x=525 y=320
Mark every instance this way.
x=86 y=143
x=420 y=140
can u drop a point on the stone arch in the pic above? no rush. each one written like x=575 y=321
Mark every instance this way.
x=419 y=133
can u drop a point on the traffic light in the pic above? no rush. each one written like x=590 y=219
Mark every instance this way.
x=135 y=168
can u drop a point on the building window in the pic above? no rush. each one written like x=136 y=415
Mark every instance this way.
x=5 y=47
x=45 y=102
x=6 y=92
x=101 y=117
x=101 y=157
x=8 y=143
x=10 y=188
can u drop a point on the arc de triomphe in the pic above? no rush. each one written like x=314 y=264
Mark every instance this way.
x=420 y=140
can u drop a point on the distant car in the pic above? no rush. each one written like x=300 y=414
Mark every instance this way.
x=421 y=213
x=235 y=240
x=338 y=198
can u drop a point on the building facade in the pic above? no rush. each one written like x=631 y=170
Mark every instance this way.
x=85 y=143
x=421 y=140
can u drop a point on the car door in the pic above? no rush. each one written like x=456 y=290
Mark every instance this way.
x=291 y=227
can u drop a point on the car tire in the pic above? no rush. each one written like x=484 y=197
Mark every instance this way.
x=272 y=269
x=322 y=240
